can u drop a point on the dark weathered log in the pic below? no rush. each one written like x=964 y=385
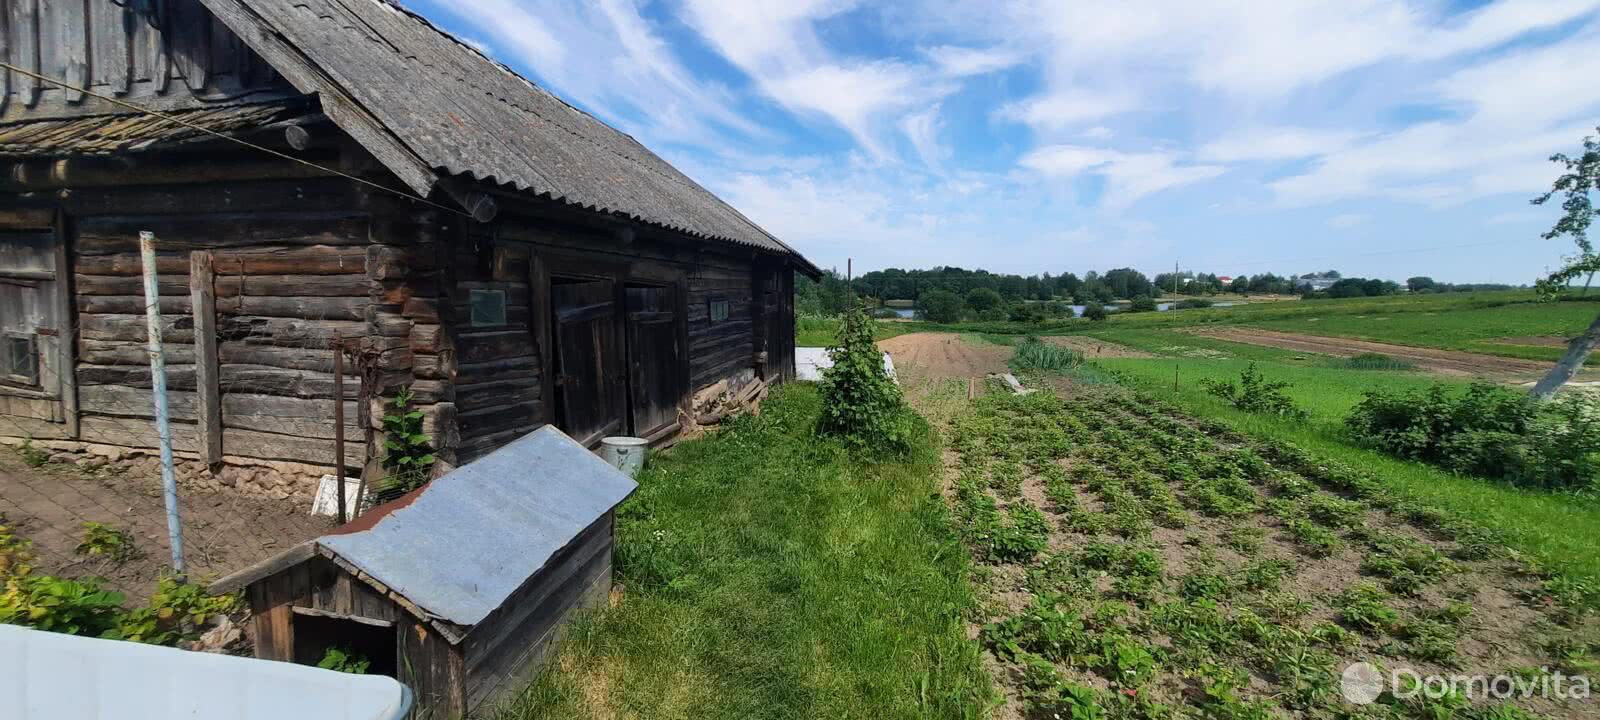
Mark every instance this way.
x=313 y=260
x=273 y=446
x=291 y=285
x=278 y=381
x=130 y=352
x=120 y=401
x=119 y=235
x=179 y=377
x=311 y=418
x=428 y=338
x=337 y=308
x=130 y=328
x=132 y=304
x=172 y=283
x=288 y=332
x=293 y=198
x=319 y=360
x=472 y=398
x=134 y=432
x=484 y=347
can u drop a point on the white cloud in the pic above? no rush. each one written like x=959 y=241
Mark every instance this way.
x=1066 y=108
x=1129 y=176
x=956 y=61
x=1279 y=143
x=922 y=129
x=605 y=55
x=1519 y=108
x=1346 y=220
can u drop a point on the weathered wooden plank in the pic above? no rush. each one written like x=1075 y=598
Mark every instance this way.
x=134 y=433
x=129 y=352
x=346 y=285
x=287 y=332
x=274 y=622
x=265 y=380
x=289 y=358
x=308 y=418
x=272 y=446
x=337 y=308
x=179 y=377
x=173 y=284
x=126 y=328
x=208 y=397
x=123 y=401
x=314 y=612
x=111 y=235
x=271 y=566
x=132 y=304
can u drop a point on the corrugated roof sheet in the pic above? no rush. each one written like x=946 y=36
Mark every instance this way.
x=460 y=548
x=464 y=114
x=105 y=134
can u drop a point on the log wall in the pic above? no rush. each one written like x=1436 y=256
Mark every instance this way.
x=286 y=282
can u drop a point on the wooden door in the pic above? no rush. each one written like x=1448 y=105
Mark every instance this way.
x=767 y=323
x=34 y=334
x=588 y=362
x=655 y=359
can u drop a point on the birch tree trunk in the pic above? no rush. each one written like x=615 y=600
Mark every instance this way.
x=1577 y=351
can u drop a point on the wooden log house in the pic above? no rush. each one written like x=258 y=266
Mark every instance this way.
x=510 y=259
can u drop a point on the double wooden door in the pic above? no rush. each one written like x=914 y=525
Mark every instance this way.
x=619 y=360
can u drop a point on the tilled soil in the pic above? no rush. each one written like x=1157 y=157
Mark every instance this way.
x=1443 y=362
x=223 y=532
x=945 y=356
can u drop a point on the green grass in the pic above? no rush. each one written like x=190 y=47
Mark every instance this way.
x=1449 y=321
x=770 y=574
x=822 y=331
x=1034 y=355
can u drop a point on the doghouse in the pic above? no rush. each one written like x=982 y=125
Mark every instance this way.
x=457 y=588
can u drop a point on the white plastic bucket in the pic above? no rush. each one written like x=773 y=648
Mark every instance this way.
x=625 y=453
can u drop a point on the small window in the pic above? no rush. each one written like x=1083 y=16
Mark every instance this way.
x=21 y=359
x=718 y=310
x=488 y=307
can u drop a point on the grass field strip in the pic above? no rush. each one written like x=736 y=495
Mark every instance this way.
x=1144 y=565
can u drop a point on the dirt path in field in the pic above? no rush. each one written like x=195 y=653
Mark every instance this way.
x=943 y=356
x=1095 y=348
x=1443 y=362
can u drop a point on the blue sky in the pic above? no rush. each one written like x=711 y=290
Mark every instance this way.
x=1236 y=136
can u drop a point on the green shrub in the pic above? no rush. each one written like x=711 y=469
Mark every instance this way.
x=1255 y=394
x=111 y=543
x=408 y=458
x=344 y=661
x=1095 y=311
x=1142 y=303
x=1488 y=430
x=1036 y=355
x=861 y=404
x=1194 y=304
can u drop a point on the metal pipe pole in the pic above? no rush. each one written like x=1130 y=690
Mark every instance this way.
x=338 y=424
x=158 y=386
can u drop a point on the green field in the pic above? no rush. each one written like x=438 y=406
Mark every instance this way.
x=768 y=573
x=1452 y=321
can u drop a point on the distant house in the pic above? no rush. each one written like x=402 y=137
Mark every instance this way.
x=555 y=271
x=1315 y=284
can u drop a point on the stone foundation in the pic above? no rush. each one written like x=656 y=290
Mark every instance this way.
x=249 y=477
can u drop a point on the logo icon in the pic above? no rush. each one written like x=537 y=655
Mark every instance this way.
x=1361 y=683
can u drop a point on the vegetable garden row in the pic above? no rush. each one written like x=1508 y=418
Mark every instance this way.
x=1141 y=564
